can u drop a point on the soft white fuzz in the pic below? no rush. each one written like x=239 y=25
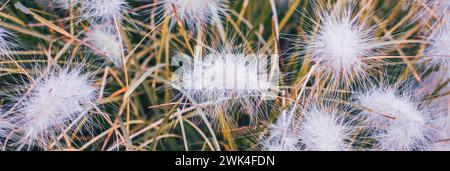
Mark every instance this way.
x=227 y=73
x=398 y=122
x=282 y=135
x=103 y=10
x=438 y=50
x=221 y=75
x=323 y=130
x=194 y=12
x=441 y=121
x=225 y=78
x=6 y=41
x=57 y=99
x=106 y=41
x=340 y=43
x=438 y=109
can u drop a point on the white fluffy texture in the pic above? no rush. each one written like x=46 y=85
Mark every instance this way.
x=438 y=51
x=233 y=72
x=6 y=41
x=282 y=135
x=324 y=131
x=398 y=121
x=103 y=10
x=438 y=108
x=57 y=99
x=219 y=76
x=438 y=55
x=193 y=12
x=225 y=80
x=340 y=43
x=106 y=40
x=442 y=124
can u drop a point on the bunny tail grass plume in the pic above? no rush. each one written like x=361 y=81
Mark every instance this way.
x=59 y=99
x=226 y=78
x=439 y=110
x=7 y=42
x=99 y=11
x=397 y=120
x=437 y=53
x=105 y=39
x=339 y=45
x=325 y=130
x=194 y=12
x=282 y=135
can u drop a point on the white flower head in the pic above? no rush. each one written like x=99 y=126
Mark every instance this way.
x=341 y=42
x=439 y=112
x=100 y=11
x=107 y=43
x=399 y=123
x=227 y=77
x=7 y=41
x=437 y=51
x=283 y=135
x=55 y=101
x=323 y=130
x=194 y=12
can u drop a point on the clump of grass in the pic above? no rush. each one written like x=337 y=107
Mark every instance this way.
x=187 y=75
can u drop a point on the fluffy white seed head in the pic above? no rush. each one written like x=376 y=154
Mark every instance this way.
x=340 y=43
x=107 y=43
x=440 y=119
x=103 y=10
x=221 y=76
x=226 y=78
x=193 y=12
x=321 y=130
x=6 y=41
x=55 y=101
x=437 y=51
x=227 y=73
x=398 y=122
x=282 y=135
